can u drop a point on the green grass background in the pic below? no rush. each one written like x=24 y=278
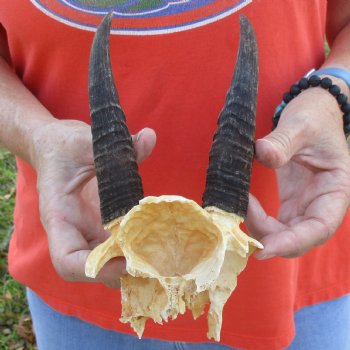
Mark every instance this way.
x=15 y=323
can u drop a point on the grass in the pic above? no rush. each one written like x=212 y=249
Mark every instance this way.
x=15 y=322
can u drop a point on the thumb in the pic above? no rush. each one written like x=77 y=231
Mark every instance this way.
x=144 y=142
x=278 y=147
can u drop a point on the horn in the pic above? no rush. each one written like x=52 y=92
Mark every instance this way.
x=232 y=151
x=119 y=183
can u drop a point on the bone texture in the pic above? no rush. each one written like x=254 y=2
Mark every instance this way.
x=179 y=256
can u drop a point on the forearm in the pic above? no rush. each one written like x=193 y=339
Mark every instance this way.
x=339 y=55
x=21 y=115
x=338 y=36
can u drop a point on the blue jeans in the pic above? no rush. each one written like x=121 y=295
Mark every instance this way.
x=324 y=326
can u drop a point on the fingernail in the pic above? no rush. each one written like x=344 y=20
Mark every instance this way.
x=266 y=140
x=139 y=135
x=264 y=256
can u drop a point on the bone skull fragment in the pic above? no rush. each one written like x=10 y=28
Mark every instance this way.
x=178 y=254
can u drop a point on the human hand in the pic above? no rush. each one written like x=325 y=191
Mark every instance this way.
x=310 y=154
x=68 y=197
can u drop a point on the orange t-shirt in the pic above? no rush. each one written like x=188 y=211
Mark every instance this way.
x=173 y=62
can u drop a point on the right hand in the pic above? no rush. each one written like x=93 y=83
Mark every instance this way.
x=311 y=157
x=68 y=197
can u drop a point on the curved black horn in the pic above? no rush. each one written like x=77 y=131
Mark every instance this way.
x=231 y=154
x=119 y=183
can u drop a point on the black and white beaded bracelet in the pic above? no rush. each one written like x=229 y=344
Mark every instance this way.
x=314 y=81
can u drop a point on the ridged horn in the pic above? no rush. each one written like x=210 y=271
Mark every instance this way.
x=232 y=151
x=119 y=183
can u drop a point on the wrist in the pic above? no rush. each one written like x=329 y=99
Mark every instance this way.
x=62 y=141
x=339 y=76
x=21 y=115
x=319 y=84
x=44 y=138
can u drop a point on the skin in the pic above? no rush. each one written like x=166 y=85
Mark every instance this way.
x=68 y=199
x=311 y=157
x=307 y=149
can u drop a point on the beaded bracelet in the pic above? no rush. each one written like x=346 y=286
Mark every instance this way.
x=314 y=81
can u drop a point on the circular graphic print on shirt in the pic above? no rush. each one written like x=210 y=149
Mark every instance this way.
x=140 y=17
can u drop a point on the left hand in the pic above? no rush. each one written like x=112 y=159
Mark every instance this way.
x=311 y=157
x=68 y=197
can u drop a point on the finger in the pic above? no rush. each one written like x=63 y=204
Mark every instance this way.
x=69 y=251
x=76 y=212
x=144 y=142
x=321 y=220
x=278 y=147
x=295 y=241
x=258 y=222
x=109 y=274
